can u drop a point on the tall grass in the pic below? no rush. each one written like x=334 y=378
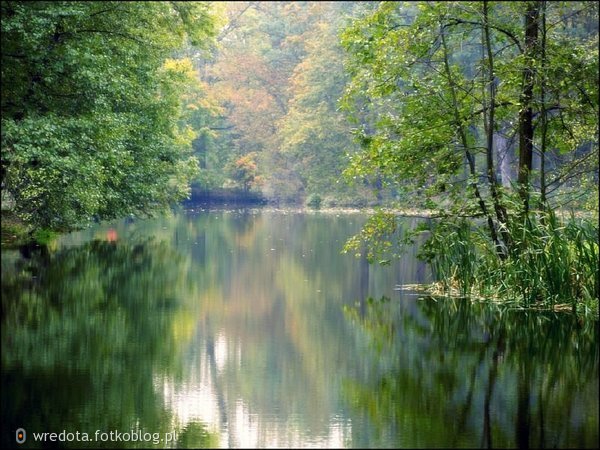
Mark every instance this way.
x=452 y=253
x=550 y=262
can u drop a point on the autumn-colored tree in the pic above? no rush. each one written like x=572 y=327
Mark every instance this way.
x=277 y=75
x=315 y=135
x=245 y=172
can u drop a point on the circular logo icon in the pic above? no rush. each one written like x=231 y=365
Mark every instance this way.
x=20 y=435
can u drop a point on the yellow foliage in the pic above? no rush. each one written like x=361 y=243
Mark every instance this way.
x=181 y=67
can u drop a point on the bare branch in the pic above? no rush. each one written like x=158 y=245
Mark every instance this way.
x=233 y=22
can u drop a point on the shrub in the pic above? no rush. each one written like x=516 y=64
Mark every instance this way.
x=314 y=201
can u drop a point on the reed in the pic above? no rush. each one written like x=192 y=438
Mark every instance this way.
x=552 y=262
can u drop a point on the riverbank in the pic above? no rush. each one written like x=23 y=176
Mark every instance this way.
x=14 y=231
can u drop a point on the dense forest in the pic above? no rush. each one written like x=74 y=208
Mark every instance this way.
x=481 y=114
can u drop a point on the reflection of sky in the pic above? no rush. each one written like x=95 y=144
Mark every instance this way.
x=196 y=398
x=192 y=400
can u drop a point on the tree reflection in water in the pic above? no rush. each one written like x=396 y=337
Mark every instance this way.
x=85 y=332
x=228 y=327
x=455 y=373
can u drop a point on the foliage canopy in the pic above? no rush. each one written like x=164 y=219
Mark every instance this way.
x=91 y=105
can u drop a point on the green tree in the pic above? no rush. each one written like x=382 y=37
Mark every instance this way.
x=91 y=107
x=314 y=134
x=277 y=74
x=436 y=108
x=436 y=88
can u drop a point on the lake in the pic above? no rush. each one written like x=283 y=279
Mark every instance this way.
x=249 y=328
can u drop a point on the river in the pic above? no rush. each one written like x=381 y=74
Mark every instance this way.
x=249 y=328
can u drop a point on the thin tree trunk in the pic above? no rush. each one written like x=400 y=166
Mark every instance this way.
x=504 y=159
x=526 y=112
x=544 y=113
x=499 y=209
x=463 y=140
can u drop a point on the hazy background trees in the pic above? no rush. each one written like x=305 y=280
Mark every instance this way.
x=277 y=74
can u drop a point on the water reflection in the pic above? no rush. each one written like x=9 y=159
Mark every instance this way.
x=229 y=328
x=459 y=374
x=83 y=331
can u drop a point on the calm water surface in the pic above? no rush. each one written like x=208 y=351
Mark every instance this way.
x=248 y=328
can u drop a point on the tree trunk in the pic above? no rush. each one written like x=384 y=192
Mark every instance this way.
x=543 y=111
x=499 y=209
x=526 y=113
x=462 y=135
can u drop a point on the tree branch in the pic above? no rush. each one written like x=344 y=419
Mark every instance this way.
x=455 y=21
x=115 y=33
x=233 y=22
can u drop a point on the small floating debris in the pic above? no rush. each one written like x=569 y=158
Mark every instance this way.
x=411 y=287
